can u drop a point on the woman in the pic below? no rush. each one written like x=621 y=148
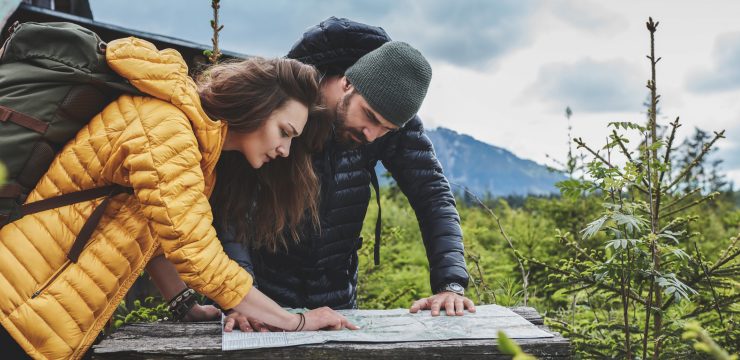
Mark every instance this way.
x=166 y=147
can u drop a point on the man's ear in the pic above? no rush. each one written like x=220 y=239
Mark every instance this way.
x=346 y=85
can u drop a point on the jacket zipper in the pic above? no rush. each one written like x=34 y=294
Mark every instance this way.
x=51 y=279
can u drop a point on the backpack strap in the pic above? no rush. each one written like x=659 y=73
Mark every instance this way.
x=378 y=221
x=91 y=223
x=10 y=191
x=8 y=114
x=71 y=198
x=370 y=166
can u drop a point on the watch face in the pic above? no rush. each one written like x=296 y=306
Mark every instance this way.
x=455 y=287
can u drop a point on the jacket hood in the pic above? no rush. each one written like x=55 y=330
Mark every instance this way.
x=337 y=42
x=163 y=74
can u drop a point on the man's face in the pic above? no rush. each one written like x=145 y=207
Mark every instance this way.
x=356 y=123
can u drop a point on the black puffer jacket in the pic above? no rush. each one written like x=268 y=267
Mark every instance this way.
x=321 y=270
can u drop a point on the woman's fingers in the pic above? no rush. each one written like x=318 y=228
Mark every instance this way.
x=349 y=325
x=258 y=325
x=326 y=319
x=244 y=324
x=337 y=325
x=229 y=324
x=237 y=319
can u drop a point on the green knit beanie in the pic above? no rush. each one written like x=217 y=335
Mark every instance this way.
x=394 y=79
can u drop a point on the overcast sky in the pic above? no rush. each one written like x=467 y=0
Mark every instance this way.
x=504 y=70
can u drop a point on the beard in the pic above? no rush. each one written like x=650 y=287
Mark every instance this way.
x=346 y=136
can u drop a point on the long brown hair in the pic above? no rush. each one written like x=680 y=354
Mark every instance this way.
x=261 y=204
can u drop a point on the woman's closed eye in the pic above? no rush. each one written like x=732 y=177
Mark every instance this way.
x=292 y=132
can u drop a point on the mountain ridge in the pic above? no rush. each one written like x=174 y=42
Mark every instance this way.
x=485 y=169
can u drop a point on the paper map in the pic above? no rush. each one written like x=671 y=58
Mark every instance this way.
x=397 y=326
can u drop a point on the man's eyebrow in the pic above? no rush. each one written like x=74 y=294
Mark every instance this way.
x=374 y=119
x=295 y=132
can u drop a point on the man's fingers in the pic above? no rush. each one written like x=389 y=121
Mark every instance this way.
x=436 y=304
x=459 y=307
x=450 y=306
x=469 y=304
x=420 y=304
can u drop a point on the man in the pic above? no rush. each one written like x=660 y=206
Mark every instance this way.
x=372 y=88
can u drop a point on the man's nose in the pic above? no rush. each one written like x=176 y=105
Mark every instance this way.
x=374 y=132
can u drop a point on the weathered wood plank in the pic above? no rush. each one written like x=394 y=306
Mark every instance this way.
x=166 y=340
x=530 y=314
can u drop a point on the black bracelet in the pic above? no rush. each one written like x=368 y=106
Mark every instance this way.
x=181 y=304
x=301 y=322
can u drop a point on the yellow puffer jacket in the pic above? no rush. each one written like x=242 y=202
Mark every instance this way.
x=166 y=148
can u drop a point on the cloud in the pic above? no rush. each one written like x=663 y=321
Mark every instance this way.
x=465 y=33
x=590 y=85
x=724 y=73
x=469 y=33
x=587 y=15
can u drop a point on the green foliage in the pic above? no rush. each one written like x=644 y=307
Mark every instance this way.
x=402 y=275
x=638 y=271
x=149 y=310
x=704 y=342
x=509 y=347
x=3 y=174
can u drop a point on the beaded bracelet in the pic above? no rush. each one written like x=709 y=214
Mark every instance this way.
x=181 y=304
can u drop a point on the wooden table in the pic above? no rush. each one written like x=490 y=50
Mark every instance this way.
x=167 y=340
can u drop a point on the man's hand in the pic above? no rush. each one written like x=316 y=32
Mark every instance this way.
x=454 y=304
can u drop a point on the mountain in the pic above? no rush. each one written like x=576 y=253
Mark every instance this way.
x=487 y=169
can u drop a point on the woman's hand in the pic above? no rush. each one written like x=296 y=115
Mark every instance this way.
x=234 y=318
x=260 y=308
x=325 y=318
x=202 y=313
x=318 y=319
x=245 y=324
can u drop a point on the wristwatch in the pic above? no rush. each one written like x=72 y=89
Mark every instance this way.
x=454 y=288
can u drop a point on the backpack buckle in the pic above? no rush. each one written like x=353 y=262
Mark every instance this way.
x=14 y=27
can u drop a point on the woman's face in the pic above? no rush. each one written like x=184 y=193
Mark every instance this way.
x=273 y=138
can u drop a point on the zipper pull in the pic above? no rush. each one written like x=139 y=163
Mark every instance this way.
x=37 y=293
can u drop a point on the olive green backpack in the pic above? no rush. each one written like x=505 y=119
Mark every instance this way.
x=53 y=80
